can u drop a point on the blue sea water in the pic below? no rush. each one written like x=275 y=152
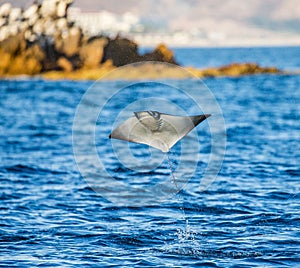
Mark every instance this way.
x=286 y=58
x=51 y=215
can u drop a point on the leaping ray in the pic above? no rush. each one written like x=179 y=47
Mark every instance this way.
x=156 y=129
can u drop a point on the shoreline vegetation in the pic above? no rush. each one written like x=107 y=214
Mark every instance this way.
x=42 y=42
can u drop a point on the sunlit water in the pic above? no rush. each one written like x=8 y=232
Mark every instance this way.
x=248 y=217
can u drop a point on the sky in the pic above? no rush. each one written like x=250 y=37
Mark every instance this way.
x=249 y=19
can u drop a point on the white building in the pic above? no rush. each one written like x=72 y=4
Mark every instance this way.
x=103 y=22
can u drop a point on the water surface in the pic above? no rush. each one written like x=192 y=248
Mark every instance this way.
x=248 y=217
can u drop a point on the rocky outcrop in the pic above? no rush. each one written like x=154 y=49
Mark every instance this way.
x=157 y=70
x=18 y=57
x=161 y=53
x=28 y=38
x=68 y=43
x=121 y=51
x=91 y=53
x=235 y=69
x=124 y=51
x=42 y=39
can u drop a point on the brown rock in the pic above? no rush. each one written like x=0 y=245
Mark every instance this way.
x=161 y=53
x=35 y=51
x=33 y=66
x=26 y=61
x=91 y=53
x=65 y=64
x=236 y=69
x=4 y=62
x=14 y=45
x=69 y=45
x=121 y=51
x=24 y=65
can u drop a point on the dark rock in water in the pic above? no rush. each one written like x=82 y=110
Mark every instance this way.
x=246 y=68
x=121 y=51
x=237 y=69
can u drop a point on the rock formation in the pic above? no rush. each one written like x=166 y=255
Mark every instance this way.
x=235 y=69
x=121 y=51
x=42 y=38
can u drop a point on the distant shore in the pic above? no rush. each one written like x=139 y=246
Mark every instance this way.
x=154 y=70
x=41 y=41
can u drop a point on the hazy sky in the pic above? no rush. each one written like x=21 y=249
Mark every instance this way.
x=281 y=16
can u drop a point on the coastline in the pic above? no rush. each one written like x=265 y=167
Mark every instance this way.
x=155 y=70
x=49 y=45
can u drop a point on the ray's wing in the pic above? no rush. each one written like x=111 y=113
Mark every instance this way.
x=173 y=128
x=134 y=131
x=130 y=130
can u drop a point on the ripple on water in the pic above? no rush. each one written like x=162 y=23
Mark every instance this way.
x=248 y=217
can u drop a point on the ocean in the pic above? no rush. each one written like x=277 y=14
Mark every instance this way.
x=72 y=197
